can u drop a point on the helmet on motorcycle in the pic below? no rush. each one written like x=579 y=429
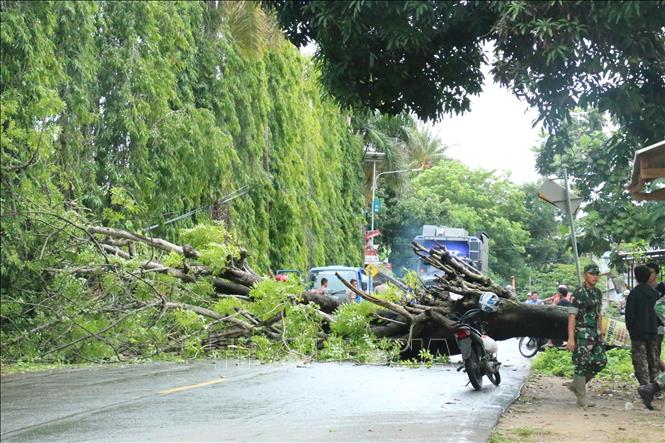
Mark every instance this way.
x=489 y=302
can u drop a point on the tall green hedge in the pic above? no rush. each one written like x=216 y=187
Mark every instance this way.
x=135 y=112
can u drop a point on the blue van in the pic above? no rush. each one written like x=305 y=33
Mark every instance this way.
x=335 y=287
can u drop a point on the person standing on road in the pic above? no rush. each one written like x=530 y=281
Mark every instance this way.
x=564 y=296
x=642 y=325
x=648 y=391
x=585 y=336
x=660 y=287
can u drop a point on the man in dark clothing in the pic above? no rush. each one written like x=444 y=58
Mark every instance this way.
x=564 y=300
x=642 y=325
x=660 y=287
x=653 y=280
x=647 y=392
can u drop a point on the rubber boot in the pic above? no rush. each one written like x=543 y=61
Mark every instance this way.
x=573 y=386
x=589 y=403
x=647 y=393
x=578 y=387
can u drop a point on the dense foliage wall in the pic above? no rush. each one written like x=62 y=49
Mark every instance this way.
x=134 y=113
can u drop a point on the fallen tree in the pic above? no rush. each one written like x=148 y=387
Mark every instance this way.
x=136 y=295
x=427 y=321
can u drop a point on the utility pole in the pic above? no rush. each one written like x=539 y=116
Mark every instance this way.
x=569 y=212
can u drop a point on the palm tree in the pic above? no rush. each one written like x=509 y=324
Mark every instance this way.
x=421 y=148
x=381 y=133
x=253 y=29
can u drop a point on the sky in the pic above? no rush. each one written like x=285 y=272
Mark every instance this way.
x=496 y=134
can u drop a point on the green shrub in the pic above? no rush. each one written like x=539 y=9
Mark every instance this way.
x=559 y=363
x=265 y=349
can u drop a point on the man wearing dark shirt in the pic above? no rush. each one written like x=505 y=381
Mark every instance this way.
x=660 y=288
x=642 y=325
x=564 y=300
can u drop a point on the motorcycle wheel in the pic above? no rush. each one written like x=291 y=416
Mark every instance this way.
x=528 y=346
x=494 y=377
x=473 y=370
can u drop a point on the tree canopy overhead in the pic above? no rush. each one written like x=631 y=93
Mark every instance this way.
x=604 y=55
x=425 y=56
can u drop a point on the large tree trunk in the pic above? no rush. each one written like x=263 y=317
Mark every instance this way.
x=428 y=320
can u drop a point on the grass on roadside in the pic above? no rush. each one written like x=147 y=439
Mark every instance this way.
x=497 y=437
x=523 y=434
x=559 y=363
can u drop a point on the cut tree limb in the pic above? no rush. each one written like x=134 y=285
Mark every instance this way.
x=164 y=245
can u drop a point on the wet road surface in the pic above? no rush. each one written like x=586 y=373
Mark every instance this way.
x=234 y=400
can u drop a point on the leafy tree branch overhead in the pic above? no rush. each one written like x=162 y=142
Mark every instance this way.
x=425 y=57
x=420 y=57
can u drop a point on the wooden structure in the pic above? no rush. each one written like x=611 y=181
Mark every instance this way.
x=649 y=165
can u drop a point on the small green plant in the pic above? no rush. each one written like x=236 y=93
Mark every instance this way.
x=266 y=350
x=497 y=437
x=554 y=362
x=442 y=358
x=410 y=363
x=619 y=365
x=426 y=357
x=524 y=431
x=335 y=348
x=559 y=363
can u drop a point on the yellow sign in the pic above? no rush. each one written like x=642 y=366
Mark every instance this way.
x=616 y=333
x=372 y=270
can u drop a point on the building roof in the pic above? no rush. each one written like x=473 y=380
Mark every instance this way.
x=649 y=164
x=651 y=255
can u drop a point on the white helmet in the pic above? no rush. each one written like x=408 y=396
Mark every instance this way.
x=489 y=302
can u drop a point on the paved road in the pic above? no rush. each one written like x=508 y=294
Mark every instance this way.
x=245 y=401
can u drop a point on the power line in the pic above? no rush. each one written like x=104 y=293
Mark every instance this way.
x=235 y=194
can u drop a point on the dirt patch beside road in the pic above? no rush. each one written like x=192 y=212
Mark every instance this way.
x=546 y=412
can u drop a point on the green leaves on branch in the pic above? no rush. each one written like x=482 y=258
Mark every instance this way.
x=129 y=115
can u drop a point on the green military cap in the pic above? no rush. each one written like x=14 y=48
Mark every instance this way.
x=592 y=269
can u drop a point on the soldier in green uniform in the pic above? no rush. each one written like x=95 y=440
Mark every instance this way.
x=585 y=336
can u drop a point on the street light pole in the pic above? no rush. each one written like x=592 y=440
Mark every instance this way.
x=375 y=177
x=371 y=208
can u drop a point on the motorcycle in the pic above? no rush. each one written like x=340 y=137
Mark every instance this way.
x=478 y=350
